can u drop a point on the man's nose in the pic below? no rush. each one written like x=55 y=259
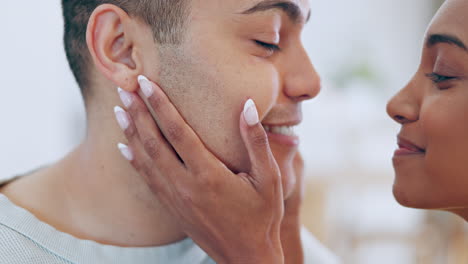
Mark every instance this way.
x=404 y=106
x=302 y=81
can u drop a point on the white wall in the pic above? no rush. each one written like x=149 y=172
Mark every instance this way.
x=347 y=126
x=41 y=109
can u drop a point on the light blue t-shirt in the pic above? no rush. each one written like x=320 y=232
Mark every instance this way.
x=25 y=239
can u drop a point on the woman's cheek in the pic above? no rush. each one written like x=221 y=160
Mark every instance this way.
x=445 y=131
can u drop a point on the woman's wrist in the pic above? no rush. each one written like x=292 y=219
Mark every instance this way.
x=272 y=254
x=265 y=253
x=291 y=239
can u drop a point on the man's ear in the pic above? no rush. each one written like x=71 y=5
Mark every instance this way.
x=110 y=42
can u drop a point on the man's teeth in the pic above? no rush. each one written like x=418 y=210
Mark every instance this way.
x=283 y=130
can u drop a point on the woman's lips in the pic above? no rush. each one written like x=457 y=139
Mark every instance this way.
x=406 y=147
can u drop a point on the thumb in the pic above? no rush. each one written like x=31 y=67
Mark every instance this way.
x=264 y=169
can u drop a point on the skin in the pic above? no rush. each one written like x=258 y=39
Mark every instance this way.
x=198 y=189
x=219 y=66
x=219 y=42
x=432 y=112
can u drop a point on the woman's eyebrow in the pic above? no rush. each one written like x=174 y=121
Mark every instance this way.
x=291 y=9
x=435 y=39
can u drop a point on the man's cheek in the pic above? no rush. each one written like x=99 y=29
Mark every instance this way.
x=265 y=90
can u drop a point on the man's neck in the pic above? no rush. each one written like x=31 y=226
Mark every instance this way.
x=95 y=194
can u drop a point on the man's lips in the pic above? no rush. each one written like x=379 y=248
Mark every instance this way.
x=283 y=133
x=294 y=122
x=406 y=147
x=283 y=128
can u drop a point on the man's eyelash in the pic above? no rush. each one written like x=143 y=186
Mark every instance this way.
x=268 y=46
x=437 y=78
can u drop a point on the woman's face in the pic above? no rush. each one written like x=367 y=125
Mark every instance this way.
x=431 y=163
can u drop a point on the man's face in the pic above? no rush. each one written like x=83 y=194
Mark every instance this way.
x=227 y=57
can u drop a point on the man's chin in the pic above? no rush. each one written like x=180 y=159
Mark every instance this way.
x=284 y=152
x=289 y=181
x=284 y=156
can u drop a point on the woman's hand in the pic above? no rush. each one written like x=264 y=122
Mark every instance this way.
x=293 y=203
x=291 y=224
x=235 y=218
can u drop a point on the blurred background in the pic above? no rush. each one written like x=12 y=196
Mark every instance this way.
x=365 y=50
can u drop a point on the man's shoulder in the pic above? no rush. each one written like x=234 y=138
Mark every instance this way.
x=12 y=241
x=17 y=248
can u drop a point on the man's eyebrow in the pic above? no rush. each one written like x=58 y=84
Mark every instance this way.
x=435 y=39
x=291 y=9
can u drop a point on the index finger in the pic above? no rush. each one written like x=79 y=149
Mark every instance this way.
x=178 y=133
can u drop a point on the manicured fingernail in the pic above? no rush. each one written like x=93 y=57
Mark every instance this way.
x=145 y=86
x=126 y=152
x=126 y=97
x=121 y=117
x=251 y=113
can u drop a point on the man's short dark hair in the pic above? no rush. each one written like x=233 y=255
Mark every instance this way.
x=165 y=17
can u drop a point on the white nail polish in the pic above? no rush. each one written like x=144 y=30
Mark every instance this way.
x=145 y=86
x=125 y=97
x=251 y=113
x=121 y=117
x=126 y=152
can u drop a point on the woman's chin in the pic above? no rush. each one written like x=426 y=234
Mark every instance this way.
x=417 y=198
x=409 y=198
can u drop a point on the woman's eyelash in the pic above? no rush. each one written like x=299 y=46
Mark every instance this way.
x=268 y=46
x=437 y=78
